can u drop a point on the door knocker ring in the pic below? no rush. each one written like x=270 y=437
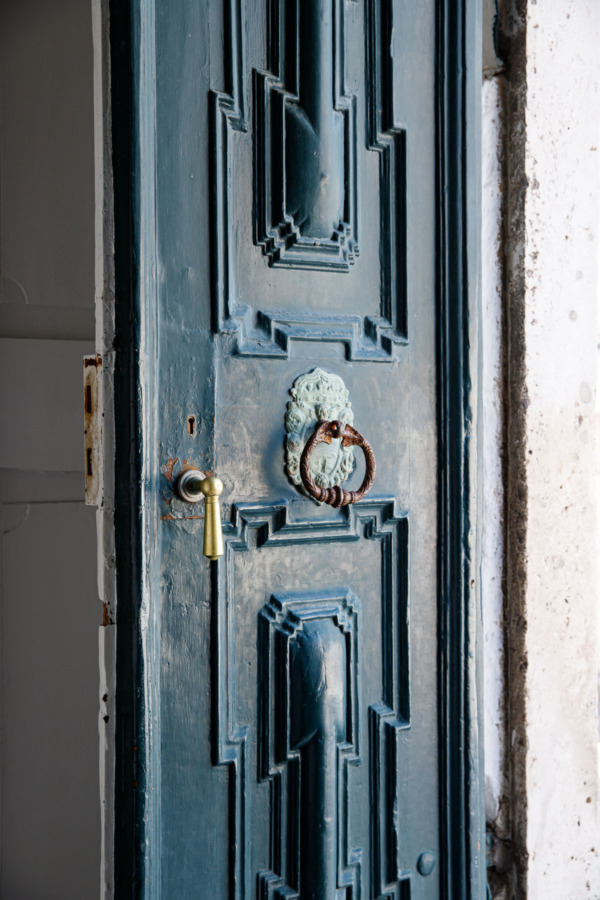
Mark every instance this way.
x=337 y=495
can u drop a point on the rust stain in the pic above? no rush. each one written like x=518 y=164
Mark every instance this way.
x=168 y=468
x=105 y=614
x=92 y=429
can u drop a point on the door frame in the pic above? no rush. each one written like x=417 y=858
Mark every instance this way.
x=129 y=135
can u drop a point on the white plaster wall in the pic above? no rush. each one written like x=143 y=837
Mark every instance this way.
x=562 y=224
x=491 y=391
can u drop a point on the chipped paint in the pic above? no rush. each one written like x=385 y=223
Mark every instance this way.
x=92 y=428
x=167 y=468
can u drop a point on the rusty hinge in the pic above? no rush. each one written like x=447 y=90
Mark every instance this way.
x=92 y=412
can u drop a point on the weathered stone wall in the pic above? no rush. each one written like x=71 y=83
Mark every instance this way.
x=541 y=178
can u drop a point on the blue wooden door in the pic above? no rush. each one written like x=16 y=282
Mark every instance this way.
x=297 y=719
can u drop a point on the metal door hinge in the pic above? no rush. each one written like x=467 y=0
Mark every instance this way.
x=92 y=413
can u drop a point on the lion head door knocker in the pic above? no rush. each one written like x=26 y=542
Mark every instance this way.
x=320 y=437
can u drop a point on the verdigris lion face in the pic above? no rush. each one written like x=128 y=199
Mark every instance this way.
x=318 y=396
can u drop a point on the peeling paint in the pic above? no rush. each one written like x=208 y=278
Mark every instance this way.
x=92 y=429
x=106 y=615
x=167 y=468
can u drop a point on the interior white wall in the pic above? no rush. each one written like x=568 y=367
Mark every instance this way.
x=50 y=810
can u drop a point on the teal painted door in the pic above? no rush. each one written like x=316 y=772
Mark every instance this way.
x=294 y=717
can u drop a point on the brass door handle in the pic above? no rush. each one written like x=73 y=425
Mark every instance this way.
x=193 y=486
x=337 y=495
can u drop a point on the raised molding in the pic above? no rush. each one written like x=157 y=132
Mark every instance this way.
x=309 y=734
x=263 y=526
x=305 y=127
x=268 y=332
x=389 y=140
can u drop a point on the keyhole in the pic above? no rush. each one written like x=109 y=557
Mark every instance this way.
x=191 y=425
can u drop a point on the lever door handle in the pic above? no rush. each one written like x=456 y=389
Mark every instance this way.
x=337 y=495
x=193 y=486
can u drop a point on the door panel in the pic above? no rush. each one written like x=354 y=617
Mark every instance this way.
x=327 y=816
x=326 y=97
x=291 y=738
